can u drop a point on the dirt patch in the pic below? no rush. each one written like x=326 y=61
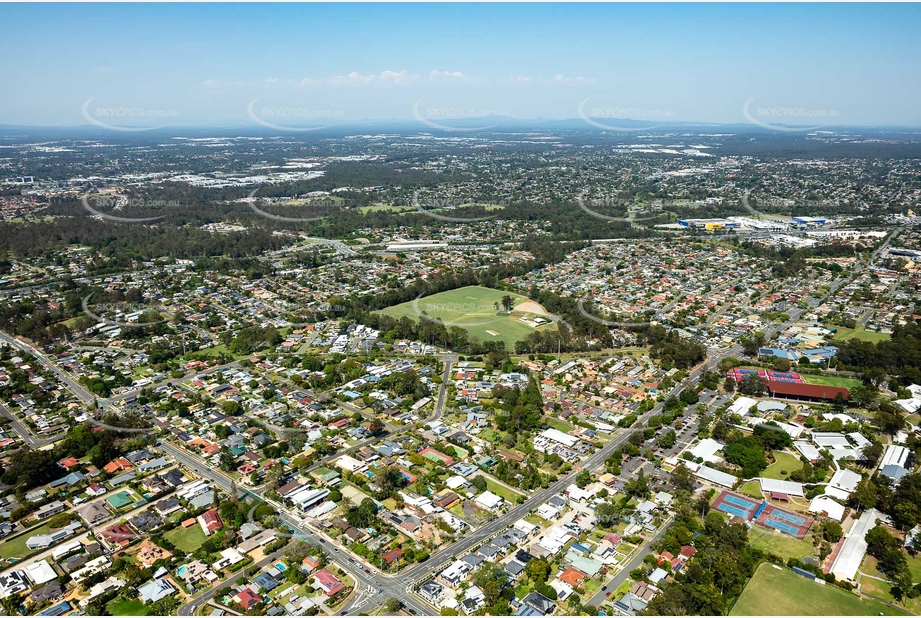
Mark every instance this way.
x=529 y=306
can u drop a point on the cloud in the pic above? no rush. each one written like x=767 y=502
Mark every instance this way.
x=562 y=80
x=269 y=81
x=398 y=78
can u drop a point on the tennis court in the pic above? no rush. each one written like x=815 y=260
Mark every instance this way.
x=739 y=501
x=734 y=504
x=794 y=524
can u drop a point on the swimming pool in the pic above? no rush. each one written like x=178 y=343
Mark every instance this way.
x=281 y=567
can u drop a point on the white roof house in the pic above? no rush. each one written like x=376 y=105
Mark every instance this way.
x=707 y=450
x=741 y=405
x=716 y=476
x=842 y=484
x=40 y=572
x=808 y=451
x=488 y=500
x=351 y=464
x=824 y=505
x=830 y=439
x=784 y=487
x=556 y=435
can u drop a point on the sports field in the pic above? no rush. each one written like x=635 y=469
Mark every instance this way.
x=780 y=592
x=829 y=380
x=844 y=334
x=473 y=308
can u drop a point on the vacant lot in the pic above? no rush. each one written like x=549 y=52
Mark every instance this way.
x=780 y=592
x=187 y=539
x=474 y=309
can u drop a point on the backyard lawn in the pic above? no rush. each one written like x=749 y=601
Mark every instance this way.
x=126 y=607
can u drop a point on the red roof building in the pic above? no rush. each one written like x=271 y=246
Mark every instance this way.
x=210 y=522
x=811 y=392
x=70 y=462
x=393 y=556
x=573 y=577
x=328 y=583
x=117 y=465
x=247 y=598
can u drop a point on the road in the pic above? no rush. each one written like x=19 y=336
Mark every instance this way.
x=400 y=585
x=631 y=564
x=365 y=576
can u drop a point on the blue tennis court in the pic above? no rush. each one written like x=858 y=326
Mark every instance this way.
x=733 y=510
x=779 y=525
x=796 y=520
x=739 y=501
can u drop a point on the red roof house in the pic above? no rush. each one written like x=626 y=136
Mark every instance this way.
x=328 y=582
x=210 y=522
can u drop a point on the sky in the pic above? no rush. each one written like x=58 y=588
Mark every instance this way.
x=300 y=65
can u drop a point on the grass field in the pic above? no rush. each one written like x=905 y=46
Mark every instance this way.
x=780 y=592
x=783 y=462
x=782 y=545
x=501 y=490
x=844 y=334
x=186 y=539
x=472 y=308
x=126 y=607
x=752 y=489
x=16 y=548
x=827 y=380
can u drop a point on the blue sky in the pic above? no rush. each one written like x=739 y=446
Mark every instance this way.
x=205 y=64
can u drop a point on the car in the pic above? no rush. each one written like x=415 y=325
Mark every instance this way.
x=604 y=587
x=368 y=571
x=352 y=560
x=608 y=593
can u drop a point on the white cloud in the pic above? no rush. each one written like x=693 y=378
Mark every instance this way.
x=270 y=81
x=573 y=81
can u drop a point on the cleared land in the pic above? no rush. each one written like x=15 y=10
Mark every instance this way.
x=780 y=592
x=473 y=308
